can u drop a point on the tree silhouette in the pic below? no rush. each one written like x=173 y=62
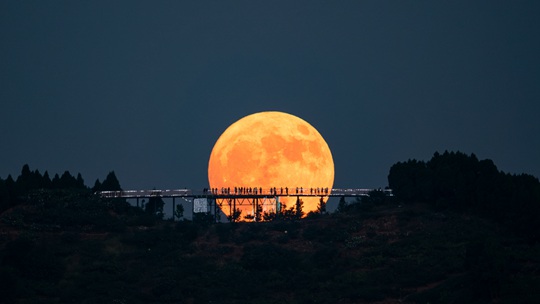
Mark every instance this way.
x=4 y=196
x=14 y=192
x=179 y=212
x=321 y=207
x=55 y=183
x=110 y=183
x=10 y=186
x=28 y=180
x=460 y=182
x=80 y=181
x=298 y=208
x=258 y=213
x=342 y=205
x=411 y=181
x=26 y=175
x=46 y=181
x=235 y=215
x=269 y=216
x=68 y=181
x=97 y=186
x=155 y=206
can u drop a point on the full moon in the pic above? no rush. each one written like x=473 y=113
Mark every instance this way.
x=272 y=150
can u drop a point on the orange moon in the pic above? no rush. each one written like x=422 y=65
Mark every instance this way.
x=272 y=149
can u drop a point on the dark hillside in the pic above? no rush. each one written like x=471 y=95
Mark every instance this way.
x=97 y=252
x=457 y=231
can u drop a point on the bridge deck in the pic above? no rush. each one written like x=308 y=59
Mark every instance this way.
x=226 y=193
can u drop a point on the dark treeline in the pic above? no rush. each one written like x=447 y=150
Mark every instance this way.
x=14 y=191
x=460 y=182
x=62 y=244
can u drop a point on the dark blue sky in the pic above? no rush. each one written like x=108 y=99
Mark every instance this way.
x=145 y=88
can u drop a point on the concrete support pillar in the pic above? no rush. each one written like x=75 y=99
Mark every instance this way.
x=173 y=208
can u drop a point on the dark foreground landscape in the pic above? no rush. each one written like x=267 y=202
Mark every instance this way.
x=66 y=245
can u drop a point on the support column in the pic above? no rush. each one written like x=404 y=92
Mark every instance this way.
x=215 y=211
x=278 y=206
x=234 y=208
x=256 y=200
x=229 y=202
x=192 y=208
x=173 y=208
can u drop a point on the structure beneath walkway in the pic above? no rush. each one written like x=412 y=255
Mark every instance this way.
x=261 y=200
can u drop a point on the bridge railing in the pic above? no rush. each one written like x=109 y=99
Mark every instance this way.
x=317 y=192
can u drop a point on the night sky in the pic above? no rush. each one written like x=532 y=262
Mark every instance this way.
x=145 y=88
